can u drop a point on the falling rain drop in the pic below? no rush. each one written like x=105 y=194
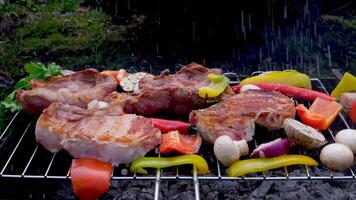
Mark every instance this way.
x=317 y=65
x=249 y=22
x=329 y=56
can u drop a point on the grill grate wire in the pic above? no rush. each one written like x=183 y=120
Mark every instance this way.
x=41 y=164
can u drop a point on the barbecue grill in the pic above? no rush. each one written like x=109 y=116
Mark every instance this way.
x=23 y=158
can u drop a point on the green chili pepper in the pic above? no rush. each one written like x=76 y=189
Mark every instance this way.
x=293 y=78
x=243 y=167
x=218 y=83
x=346 y=84
x=158 y=163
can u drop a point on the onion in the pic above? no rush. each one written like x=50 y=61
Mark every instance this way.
x=337 y=157
x=246 y=87
x=348 y=138
x=274 y=148
x=300 y=134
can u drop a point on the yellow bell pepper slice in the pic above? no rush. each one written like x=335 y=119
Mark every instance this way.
x=293 y=78
x=243 y=167
x=218 y=84
x=346 y=84
x=198 y=162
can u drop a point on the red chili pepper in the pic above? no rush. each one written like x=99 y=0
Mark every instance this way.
x=171 y=125
x=185 y=144
x=90 y=177
x=352 y=112
x=300 y=93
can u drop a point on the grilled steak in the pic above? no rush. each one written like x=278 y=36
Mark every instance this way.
x=175 y=93
x=236 y=115
x=75 y=89
x=106 y=134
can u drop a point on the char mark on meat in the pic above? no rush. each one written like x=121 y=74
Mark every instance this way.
x=236 y=115
x=106 y=134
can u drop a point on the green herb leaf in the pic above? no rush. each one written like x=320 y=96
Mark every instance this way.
x=35 y=68
x=35 y=71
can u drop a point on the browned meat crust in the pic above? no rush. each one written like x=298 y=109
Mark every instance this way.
x=76 y=89
x=236 y=115
x=175 y=93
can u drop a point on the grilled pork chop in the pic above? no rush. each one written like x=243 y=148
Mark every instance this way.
x=106 y=134
x=75 y=89
x=176 y=93
x=236 y=115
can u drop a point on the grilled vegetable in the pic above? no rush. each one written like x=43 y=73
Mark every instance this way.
x=302 y=135
x=90 y=177
x=131 y=82
x=352 y=112
x=154 y=162
x=35 y=71
x=348 y=138
x=293 y=78
x=243 y=167
x=249 y=87
x=274 y=148
x=218 y=84
x=347 y=99
x=228 y=151
x=292 y=91
x=117 y=75
x=330 y=109
x=171 y=125
x=184 y=144
x=312 y=119
x=337 y=157
x=346 y=84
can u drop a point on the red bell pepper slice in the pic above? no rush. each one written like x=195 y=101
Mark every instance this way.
x=321 y=113
x=90 y=177
x=352 y=112
x=300 y=93
x=185 y=144
x=171 y=125
x=330 y=109
x=312 y=119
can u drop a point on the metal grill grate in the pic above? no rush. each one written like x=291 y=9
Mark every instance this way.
x=21 y=157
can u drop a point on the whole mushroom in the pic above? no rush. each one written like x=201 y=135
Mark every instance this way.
x=228 y=151
x=337 y=157
x=348 y=138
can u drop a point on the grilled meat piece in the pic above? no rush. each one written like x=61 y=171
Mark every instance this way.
x=236 y=115
x=175 y=93
x=75 y=89
x=106 y=134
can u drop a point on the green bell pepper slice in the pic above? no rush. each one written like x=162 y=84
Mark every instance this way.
x=218 y=84
x=293 y=78
x=243 y=167
x=198 y=162
x=346 y=84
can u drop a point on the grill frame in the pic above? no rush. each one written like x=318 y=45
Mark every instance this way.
x=157 y=177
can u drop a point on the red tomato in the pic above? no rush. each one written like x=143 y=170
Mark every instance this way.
x=90 y=177
x=185 y=144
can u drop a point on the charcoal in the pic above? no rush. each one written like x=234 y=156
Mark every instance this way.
x=262 y=190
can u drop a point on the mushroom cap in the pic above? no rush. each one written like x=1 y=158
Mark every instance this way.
x=337 y=157
x=348 y=138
